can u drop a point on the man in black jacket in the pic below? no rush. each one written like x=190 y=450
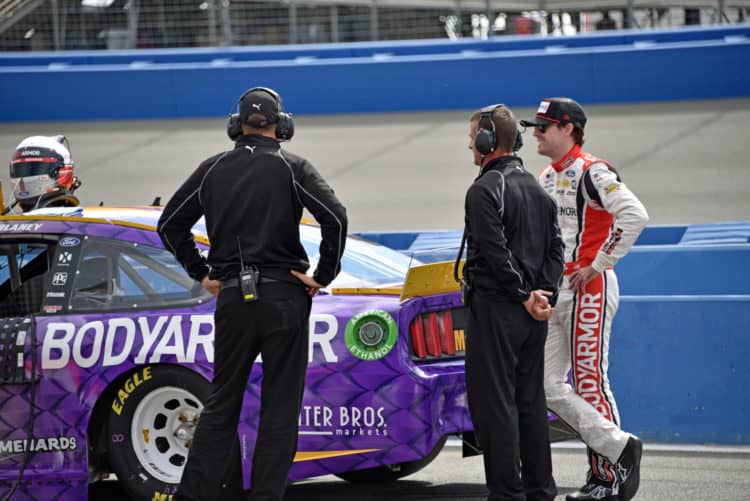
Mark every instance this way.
x=252 y=198
x=513 y=268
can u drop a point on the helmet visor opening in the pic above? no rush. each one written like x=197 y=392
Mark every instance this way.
x=25 y=167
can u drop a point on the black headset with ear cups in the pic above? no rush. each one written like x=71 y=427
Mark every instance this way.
x=486 y=139
x=285 y=124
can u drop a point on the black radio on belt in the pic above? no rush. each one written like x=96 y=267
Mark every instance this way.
x=249 y=284
x=465 y=290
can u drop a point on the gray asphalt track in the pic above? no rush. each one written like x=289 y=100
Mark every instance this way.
x=678 y=474
x=665 y=476
x=405 y=171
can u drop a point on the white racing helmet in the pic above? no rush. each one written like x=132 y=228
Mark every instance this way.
x=41 y=167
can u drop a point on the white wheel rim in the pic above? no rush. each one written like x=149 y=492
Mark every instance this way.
x=162 y=431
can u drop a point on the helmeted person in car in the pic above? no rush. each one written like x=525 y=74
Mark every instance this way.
x=42 y=171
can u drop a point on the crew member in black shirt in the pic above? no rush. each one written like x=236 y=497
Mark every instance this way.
x=252 y=198
x=512 y=274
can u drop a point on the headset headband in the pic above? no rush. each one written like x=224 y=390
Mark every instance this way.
x=285 y=124
x=486 y=138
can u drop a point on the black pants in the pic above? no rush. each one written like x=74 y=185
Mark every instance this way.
x=505 y=385
x=276 y=326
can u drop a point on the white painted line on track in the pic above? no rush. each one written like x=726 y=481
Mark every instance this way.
x=655 y=447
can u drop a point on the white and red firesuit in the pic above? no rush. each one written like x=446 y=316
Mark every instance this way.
x=600 y=219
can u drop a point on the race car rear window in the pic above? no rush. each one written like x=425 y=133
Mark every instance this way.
x=364 y=264
x=120 y=275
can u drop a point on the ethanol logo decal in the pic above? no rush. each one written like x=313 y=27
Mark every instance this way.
x=371 y=335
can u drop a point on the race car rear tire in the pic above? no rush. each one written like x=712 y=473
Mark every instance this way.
x=390 y=473
x=150 y=428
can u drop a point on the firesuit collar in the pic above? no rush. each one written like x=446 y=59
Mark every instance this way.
x=568 y=159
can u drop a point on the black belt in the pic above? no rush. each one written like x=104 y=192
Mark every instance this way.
x=235 y=282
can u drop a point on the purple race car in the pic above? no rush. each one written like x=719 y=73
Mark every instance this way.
x=106 y=350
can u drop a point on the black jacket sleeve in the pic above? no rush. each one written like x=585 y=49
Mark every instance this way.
x=175 y=224
x=554 y=259
x=485 y=211
x=322 y=203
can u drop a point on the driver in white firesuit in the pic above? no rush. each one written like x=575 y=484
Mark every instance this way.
x=600 y=219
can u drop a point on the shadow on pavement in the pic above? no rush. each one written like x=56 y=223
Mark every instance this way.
x=401 y=490
x=340 y=491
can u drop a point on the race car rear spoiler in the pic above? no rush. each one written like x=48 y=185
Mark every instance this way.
x=429 y=279
x=422 y=280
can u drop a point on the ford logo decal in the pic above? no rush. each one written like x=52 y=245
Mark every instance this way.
x=70 y=242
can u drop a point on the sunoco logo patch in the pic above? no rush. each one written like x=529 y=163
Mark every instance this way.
x=371 y=335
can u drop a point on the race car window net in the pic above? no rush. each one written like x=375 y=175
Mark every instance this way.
x=20 y=340
x=24 y=268
x=123 y=275
x=23 y=274
x=438 y=335
x=16 y=339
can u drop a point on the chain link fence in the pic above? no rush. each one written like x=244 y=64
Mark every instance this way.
x=132 y=24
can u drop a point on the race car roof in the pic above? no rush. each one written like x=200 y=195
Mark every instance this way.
x=131 y=215
x=141 y=217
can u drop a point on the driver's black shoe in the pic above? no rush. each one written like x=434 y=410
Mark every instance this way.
x=594 y=491
x=629 y=468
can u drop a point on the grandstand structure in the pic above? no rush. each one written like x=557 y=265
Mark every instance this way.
x=131 y=24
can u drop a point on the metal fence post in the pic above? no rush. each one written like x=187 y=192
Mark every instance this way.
x=334 y=16
x=133 y=24
x=374 y=24
x=55 y=24
x=292 y=21
x=630 y=17
x=490 y=20
x=211 y=15
x=226 y=23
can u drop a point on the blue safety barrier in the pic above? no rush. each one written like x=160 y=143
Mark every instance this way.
x=645 y=70
x=680 y=346
x=679 y=367
x=685 y=269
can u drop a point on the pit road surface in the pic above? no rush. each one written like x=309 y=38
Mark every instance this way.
x=687 y=161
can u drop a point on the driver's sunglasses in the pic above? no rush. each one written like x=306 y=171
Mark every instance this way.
x=542 y=128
